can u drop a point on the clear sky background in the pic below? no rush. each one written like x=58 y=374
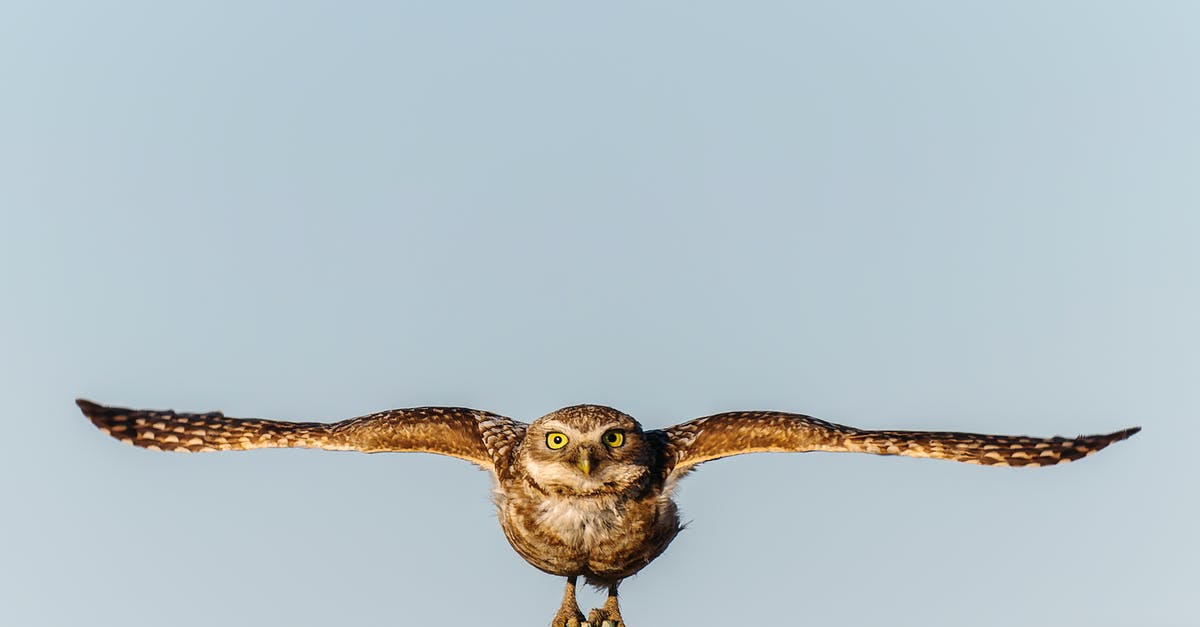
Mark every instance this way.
x=938 y=215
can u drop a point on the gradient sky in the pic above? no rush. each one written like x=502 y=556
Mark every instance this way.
x=939 y=215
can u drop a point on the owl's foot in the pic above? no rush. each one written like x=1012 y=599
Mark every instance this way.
x=567 y=619
x=604 y=618
x=609 y=615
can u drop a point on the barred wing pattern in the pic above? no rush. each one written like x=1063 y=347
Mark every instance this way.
x=721 y=435
x=479 y=437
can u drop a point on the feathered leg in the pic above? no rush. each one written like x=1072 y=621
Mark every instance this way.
x=568 y=614
x=610 y=614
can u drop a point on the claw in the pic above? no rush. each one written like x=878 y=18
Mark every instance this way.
x=571 y=621
x=598 y=618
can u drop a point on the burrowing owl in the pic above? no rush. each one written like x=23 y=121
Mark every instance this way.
x=583 y=491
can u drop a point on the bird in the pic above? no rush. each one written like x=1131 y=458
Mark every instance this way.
x=584 y=491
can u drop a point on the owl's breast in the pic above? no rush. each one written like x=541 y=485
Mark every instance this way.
x=602 y=537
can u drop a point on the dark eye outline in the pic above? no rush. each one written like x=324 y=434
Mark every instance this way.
x=614 y=438
x=550 y=436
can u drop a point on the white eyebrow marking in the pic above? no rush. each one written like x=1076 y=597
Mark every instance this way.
x=572 y=432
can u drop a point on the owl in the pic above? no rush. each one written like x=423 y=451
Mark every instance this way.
x=583 y=491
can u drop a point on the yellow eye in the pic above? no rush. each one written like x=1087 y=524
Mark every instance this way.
x=556 y=440
x=614 y=438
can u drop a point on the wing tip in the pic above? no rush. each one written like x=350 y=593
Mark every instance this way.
x=95 y=411
x=1124 y=434
x=103 y=416
x=105 y=419
x=88 y=407
x=1104 y=441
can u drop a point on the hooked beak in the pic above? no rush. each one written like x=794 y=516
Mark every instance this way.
x=585 y=462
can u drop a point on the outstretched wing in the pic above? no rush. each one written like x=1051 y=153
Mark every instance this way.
x=713 y=437
x=477 y=436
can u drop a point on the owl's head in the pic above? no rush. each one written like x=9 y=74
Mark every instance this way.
x=585 y=449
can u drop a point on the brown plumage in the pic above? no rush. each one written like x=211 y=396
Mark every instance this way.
x=583 y=491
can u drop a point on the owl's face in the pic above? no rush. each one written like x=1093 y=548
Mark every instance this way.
x=585 y=449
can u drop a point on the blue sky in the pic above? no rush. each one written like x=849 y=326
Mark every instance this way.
x=934 y=215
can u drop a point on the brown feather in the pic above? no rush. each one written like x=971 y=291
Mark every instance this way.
x=480 y=437
x=722 y=435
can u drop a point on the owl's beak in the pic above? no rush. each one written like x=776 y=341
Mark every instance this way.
x=585 y=462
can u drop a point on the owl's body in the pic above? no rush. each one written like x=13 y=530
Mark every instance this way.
x=604 y=525
x=583 y=491
x=603 y=538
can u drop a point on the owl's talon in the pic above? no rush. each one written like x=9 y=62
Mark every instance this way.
x=602 y=618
